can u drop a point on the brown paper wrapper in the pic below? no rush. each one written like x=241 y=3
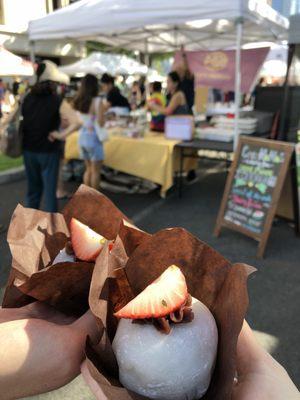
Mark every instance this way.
x=95 y=210
x=212 y=279
x=36 y=237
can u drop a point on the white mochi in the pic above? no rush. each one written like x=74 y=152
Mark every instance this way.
x=63 y=256
x=177 y=366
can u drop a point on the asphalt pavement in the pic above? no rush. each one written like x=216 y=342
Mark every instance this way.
x=274 y=289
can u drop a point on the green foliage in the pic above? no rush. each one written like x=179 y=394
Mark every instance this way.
x=8 y=163
x=92 y=46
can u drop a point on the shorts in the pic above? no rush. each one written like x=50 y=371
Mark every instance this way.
x=94 y=153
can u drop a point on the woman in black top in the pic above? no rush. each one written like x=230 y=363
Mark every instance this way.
x=42 y=109
x=177 y=104
x=114 y=97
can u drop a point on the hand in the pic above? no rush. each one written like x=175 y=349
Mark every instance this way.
x=153 y=106
x=260 y=377
x=150 y=105
x=55 y=135
x=40 y=349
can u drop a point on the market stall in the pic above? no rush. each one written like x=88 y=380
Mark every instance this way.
x=152 y=157
x=164 y=26
x=151 y=27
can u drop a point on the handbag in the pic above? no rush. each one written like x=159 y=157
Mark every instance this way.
x=101 y=132
x=11 y=135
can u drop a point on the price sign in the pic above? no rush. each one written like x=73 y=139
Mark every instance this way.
x=253 y=188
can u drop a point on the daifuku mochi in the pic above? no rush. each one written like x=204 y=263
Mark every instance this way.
x=63 y=256
x=177 y=366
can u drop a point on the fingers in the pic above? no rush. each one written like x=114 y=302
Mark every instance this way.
x=249 y=352
x=47 y=313
x=54 y=136
x=260 y=376
x=88 y=326
x=36 y=310
x=12 y=314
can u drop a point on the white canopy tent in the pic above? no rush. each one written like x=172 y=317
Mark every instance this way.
x=162 y=26
x=275 y=64
x=12 y=65
x=98 y=63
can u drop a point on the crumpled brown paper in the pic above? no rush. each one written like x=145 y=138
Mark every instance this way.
x=212 y=279
x=95 y=210
x=36 y=237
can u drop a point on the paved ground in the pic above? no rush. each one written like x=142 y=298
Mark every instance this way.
x=274 y=290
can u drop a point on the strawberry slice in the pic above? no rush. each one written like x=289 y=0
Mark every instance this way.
x=110 y=246
x=165 y=295
x=87 y=244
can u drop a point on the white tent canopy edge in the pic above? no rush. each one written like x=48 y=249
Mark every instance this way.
x=98 y=63
x=164 y=25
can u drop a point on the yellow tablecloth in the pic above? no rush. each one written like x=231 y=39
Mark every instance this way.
x=152 y=157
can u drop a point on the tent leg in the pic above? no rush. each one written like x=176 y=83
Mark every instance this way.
x=237 y=97
x=31 y=51
x=282 y=134
x=147 y=58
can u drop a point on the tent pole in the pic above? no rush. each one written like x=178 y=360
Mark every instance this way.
x=282 y=134
x=237 y=96
x=147 y=58
x=31 y=51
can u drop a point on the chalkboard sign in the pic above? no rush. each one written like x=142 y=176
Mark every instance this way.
x=253 y=188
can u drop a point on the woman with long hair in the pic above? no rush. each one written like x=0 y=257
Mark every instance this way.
x=92 y=112
x=42 y=111
x=177 y=104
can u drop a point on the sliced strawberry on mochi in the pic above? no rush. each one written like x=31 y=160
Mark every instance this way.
x=110 y=246
x=87 y=244
x=165 y=295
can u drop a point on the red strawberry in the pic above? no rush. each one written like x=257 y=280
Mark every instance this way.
x=165 y=295
x=110 y=246
x=86 y=243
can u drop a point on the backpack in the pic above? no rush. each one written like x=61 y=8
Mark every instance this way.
x=11 y=133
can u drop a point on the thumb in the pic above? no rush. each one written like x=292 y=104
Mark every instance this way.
x=249 y=352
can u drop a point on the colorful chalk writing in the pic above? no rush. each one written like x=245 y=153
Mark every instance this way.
x=253 y=184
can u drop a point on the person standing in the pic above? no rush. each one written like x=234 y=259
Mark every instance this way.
x=15 y=86
x=114 y=98
x=177 y=104
x=135 y=99
x=157 y=122
x=187 y=81
x=2 y=95
x=92 y=112
x=23 y=87
x=42 y=110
